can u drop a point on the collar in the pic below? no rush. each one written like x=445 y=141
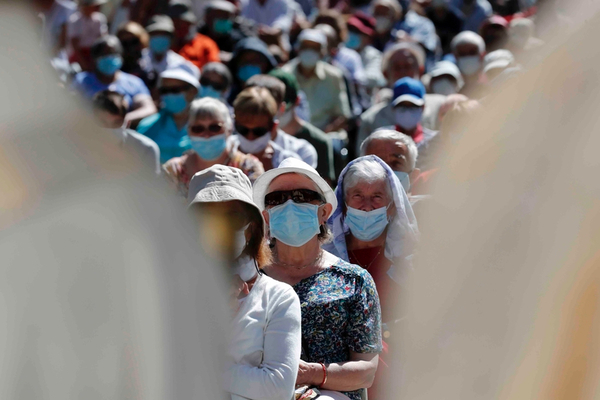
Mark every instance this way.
x=417 y=135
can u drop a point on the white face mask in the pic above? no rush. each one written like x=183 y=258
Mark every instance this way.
x=245 y=267
x=382 y=24
x=308 y=58
x=239 y=241
x=469 y=65
x=443 y=86
x=254 y=146
x=286 y=117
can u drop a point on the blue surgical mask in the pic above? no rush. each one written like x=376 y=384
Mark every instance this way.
x=209 y=91
x=294 y=223
x=248 y=71
x=108 y=65
x=408 y=117
x=209 y=148
x=159 y=44
x=222 y=26
x=174 y=102
x=366 y=225
x=404 y=180
x=353 y=41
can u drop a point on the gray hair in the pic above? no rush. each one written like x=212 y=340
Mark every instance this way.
x=220 y=69
x=365 y=170
x=207 y=107
x=389 y=134
x=468 y=37
x=416 y=50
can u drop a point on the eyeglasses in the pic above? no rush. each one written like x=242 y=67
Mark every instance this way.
x=297 y=196
x=174 y=89
x=217 y=86
x=260 y=131
x=214 y=128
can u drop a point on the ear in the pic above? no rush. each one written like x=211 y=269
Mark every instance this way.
x=281 y=108
x=297 y=102
x=265 y=214
x=325 y=211
x=274 y=130
x=414 y=174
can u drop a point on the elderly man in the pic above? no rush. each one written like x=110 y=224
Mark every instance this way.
x=397 y=150
x=322 y=83
x=399 y=61
x=168 y=128
x=469 y=50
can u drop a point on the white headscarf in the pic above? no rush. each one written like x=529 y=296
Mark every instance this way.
x=402 y=231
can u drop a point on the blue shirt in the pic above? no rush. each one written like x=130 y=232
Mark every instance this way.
x=161 y=128
x=88 y=84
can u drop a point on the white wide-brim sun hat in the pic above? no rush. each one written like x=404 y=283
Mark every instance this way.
x=287 y=166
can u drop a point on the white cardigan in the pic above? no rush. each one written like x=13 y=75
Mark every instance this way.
x=264 y=350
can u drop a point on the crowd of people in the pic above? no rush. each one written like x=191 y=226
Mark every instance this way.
x=313 y=129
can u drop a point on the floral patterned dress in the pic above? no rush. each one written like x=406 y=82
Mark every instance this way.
x=340 y=313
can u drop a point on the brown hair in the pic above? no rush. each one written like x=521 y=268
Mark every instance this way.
x=334 y=19
x=272 y=84
x=255 y=101
x=137 y=30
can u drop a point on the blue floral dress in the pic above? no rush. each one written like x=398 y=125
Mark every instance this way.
x=340 y=313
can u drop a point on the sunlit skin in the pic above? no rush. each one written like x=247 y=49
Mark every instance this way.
x=368 y=196
x=402 y=64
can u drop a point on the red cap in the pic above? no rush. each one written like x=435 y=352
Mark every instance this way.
x=363 y=22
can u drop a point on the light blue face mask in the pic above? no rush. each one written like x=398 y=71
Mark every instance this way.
x=408 y=117
x=404 y=180
x=248 y=71
x=294 y=224
x=174 y=102
x=108 y=65
x=366 y=225
x=222 y=26
x=209 y=148
x=159 y=44
x=353 y=41
x=209 y=91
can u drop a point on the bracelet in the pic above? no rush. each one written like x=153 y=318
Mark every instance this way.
x=324 y=375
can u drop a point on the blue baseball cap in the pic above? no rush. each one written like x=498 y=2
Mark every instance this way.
x=409 y=89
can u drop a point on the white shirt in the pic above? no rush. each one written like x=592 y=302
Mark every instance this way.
x=304 y=149
x=274 y=13
x=264 y=350
x=87 y=30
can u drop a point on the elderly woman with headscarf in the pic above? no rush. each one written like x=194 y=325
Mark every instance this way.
x=341 y=324
x=209 y=129
x=264 y=346
x=374 y=225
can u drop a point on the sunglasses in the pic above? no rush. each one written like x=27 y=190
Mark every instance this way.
x=214 y=128
x=174 y=89
x=297 y=196
x=217 y=86
x=260 y=131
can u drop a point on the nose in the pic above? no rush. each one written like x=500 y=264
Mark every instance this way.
x=366 y=206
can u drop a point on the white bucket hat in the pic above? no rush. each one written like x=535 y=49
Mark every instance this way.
x=221 y=183
x=291 y=165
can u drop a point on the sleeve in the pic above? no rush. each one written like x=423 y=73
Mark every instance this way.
x=342 y=107
x=140 y=87
x=212 y=51
x=364 y=329
x=308 y=153
x=276 y=376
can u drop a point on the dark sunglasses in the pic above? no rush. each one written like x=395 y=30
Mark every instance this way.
x=214 y=128
x=130 y=42
x=260 y=131
x=207 y=82
x=174 y=89
x=297 y=196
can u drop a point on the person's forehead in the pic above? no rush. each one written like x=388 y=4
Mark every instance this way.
x=387 y=146
x=467 y=48
x=219 y=13
x=251 y=55
x=310 y=44
x=170 y=82
x=376 y=187
x=252 y=120
x=291 y=181
x=213 y=76
x=382 y=9
x=403 y=57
